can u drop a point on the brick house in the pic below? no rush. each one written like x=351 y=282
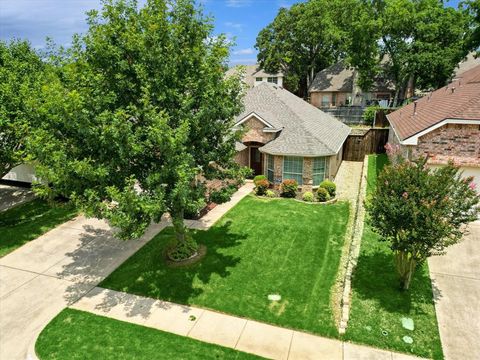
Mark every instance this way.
x=255 y=75
x=444 y=125
x=285 y=137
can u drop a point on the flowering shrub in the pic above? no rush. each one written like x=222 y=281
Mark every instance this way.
x=329 y=186
x=308 y=196
x=259 y=178
x=322 y=194
x=261 y=186
x=270 y=194
x=289 y=188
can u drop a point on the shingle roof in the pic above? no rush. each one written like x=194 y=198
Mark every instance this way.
x=307 y=131
x=458 y=100
x=251 y=72
x=339 y=77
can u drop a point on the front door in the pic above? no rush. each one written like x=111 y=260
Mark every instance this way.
x=256 y=160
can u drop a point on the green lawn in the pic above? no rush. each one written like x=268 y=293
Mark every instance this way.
x=260 y=247
x=28 y=221
x=378 y=304
x=76 y=334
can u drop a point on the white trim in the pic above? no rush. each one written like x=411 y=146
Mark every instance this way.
x=272 y=130
x=253 y=113
x=299 y=155
x=413 y=140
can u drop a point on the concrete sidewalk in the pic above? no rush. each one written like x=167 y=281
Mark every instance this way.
x=456 y=286
x=53 y=271
x=11 y=196
x=250 y=336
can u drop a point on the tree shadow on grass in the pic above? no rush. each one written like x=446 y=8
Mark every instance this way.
x=376 y=279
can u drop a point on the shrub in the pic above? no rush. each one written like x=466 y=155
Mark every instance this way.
x=258 y=178
x=322 y=194
x=223 y=195
x=193 y=209
x=261 y=186
x=308 y=196
x=270 y=194
x=369 y=114
x=289 y=188
x=329 y=186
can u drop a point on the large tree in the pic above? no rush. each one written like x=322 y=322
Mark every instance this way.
x=422 y=41
x=472 y=8
x=420 y=211
x=21 y=78
x=141 y=108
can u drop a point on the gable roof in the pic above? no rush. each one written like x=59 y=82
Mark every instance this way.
x=251 y=72
x=340 y=77
x=459 y=101
x=306 y=130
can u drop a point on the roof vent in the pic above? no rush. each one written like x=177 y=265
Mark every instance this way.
x=415 y=107
x=453 y=89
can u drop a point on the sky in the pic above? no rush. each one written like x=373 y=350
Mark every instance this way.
x=34 y=20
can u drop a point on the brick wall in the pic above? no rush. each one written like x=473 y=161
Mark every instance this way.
x=255 y=131
x=241 y=157
x=458 y=141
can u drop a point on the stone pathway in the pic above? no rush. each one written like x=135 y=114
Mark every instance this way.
x=226 y=330
x=11 y=196
x=456 y=287
x=348 y=180
x=55 y=270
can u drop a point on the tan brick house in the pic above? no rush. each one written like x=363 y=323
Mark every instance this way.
x=444 y=125
x=285 y=137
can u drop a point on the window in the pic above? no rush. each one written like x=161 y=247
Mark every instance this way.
x=258 y=79
x=293 y=168
x=273 y=80
x=270 y=168
x=320 y=170
x=334 y=99
x=326 y=100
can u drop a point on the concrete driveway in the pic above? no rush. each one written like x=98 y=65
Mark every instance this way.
x=456 y=283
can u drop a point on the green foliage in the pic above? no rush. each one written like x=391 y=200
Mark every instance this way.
x=323 y=194
x=472 y=10
x=262 y=186
x=193 y=209
x=308 y=196
x=329 y=186
x=22 y=74
x=369 y=114
x=257 y=178
x=270 y=194
x=222 y=195
x=135 y=119
x=420 y=211
x=75 y=334
x=289 y=188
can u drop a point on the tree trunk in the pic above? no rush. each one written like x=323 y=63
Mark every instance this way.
x=405 y=264
x=178 y=225
x=185 y=246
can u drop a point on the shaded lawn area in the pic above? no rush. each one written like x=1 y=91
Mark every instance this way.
x=260 y=247
x=378 y=303
x=75 y=334
x=28 y=221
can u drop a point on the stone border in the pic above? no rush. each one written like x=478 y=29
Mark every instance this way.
x=332 y=201
x=354 y=252
x=199 y=255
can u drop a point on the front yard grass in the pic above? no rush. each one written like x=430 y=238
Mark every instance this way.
x=28 y=221
x=378 y=304
x=260 y=247
x=75 y=334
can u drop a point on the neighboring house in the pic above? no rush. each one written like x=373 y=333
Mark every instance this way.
x=24 y=173
x=468 y=63
x=254 y=75
x=444 y=125
x=287 y=138
x=336 y=86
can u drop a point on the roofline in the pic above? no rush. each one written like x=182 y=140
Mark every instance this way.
x=253 y=113
x=413 y=139
x=300 y=155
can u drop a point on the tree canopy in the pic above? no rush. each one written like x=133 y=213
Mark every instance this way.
x=416 y=42
x=141 y=107
x=21 y=76
x=420 y=211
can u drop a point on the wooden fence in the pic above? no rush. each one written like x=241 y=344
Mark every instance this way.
x=362 y=142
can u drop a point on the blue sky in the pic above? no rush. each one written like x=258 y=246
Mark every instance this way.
x=60 y=19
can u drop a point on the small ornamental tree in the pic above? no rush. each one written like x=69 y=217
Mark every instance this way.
x=141 y=108
x=420 y=211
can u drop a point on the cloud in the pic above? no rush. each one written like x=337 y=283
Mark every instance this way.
x=243 y=61
x=247 y=51
x=238 y=3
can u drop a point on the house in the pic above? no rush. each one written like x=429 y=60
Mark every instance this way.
x=444 y=125
x=254 y=75
x=336 y=86
x=285 y=137
x=23 y=174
